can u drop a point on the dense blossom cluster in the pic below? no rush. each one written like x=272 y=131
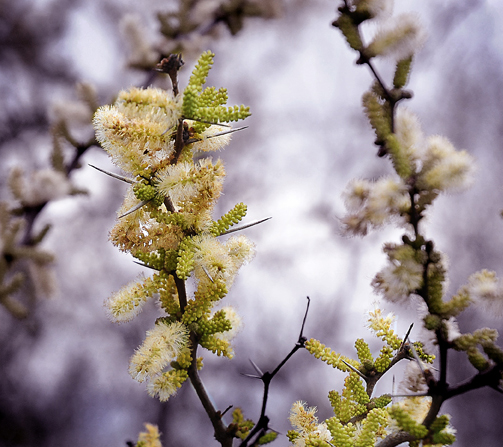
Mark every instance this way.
x=166 y=222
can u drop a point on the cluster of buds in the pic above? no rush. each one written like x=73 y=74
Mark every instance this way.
x=161 y=140
x=359 y=418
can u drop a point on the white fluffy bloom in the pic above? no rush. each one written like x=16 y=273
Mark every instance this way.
x=162 y=386
x=413 y=380
x=485 y=288
x=40 y=187
x=396 y=283
x=161 y=346
x=210 y=142
x=306 y=424
x=356 y=193
x=445 y=168
x=142 y=52
x=374 y=203
x=401 y=277
x=408 y=132
x=387 y=197
x=221 y=260
x=452 y=328
x=128 y=302
x=399 y=37
x=135 y=131
x=177 y=181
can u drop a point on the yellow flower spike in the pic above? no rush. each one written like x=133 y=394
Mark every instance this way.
x=382 y=328
x=400 y=37
x=409 y=413
x=320 y=351
x=162 y=345
x=308 y=430
x=150 y=437
x=128 y=302
x=167 y=384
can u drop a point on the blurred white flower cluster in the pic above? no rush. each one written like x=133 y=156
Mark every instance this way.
x=434 y=166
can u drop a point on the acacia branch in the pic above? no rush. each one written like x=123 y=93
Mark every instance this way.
x=263 y=423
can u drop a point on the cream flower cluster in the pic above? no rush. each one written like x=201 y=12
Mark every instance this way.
x=485 y=288
x=433 y=166
x=310 y=432
x=40 y=187
x=161 y=141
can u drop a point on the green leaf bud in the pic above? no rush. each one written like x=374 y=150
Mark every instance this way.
x=354 y=384
x=330 y=357
x=190 y=101
x=350 y=31
x=401 y=161
x=402 y=72
x=494 y=352
x=218 y=323
x=477 y=359
x=217 y=345
x=374 y=422
x=457 y=304
x=440 y=423
x=267 y=438
x=340 y=436
x=424 y=356
x=432 y=322
x=444 y=438
x=201 y=70
x=382 y=401
x=222 y=114
x=379 y=119
x=335 y=401
x=292 y=435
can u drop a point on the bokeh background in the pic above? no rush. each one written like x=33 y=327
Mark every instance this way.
x=63 y=370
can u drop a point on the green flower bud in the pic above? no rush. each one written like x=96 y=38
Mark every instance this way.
x=432 y=322
x=229 y=219
x=363 y=351
x=350 y=31
x=405 y=422
x=377 y=115
x=144 y=191
x=382 y=401
x=185 y=261
x=402 y=72
x=477 y=359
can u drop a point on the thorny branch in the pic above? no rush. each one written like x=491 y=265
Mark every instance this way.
x=263 y=422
